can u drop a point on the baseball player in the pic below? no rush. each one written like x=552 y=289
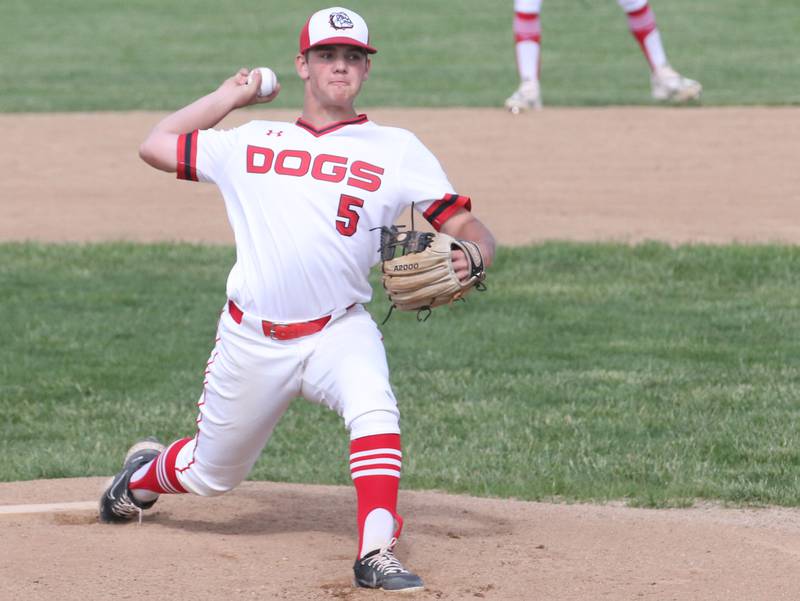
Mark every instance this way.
x=304 y=200
x=665 y=83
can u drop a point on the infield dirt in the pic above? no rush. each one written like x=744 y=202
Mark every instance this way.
x=677 y=175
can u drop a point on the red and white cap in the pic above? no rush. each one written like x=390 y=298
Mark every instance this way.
x=335 y=25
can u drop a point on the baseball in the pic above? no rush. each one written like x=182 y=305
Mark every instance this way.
x=268 y=80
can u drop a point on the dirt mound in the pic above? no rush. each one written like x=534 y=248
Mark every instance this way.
x=287 y=541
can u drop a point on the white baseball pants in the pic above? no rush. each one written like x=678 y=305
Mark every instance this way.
x=251 y=379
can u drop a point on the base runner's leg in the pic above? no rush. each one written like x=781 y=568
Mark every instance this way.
x=665 y=82
x=527 y=50
x=528 y=38
x=642 y=25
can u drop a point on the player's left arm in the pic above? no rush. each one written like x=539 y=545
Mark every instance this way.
x=463 y=225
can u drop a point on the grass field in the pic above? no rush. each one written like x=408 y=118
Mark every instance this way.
x=113 y=55
x=587 y=371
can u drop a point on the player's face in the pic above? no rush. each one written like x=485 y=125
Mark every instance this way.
x=334 y=74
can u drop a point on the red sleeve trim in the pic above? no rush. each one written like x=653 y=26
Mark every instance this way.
x=187 y=156
x=444 y=208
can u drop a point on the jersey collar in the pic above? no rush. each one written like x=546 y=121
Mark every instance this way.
x=331 y=127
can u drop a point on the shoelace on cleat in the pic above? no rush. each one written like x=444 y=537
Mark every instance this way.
x=124 y=507
x=386 y=562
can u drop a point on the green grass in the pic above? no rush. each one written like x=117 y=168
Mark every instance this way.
x=587 y=372
x=143 y=54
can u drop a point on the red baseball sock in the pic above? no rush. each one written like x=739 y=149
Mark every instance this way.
x=375 y=463
x=642 y=24
x=527 y=27
x=527 y=39
x=159 y=475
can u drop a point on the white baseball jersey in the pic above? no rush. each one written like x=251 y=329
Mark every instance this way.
x=304 y=204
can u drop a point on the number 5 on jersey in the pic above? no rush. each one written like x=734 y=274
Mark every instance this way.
x=347 y=217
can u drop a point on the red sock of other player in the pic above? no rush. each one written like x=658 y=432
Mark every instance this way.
x=642 y=23
x=527 y=40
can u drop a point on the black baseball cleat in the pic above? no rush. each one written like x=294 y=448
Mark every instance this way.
x=381 y=569
x=117 y=503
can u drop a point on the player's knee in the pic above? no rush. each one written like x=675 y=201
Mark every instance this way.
x=375 y=422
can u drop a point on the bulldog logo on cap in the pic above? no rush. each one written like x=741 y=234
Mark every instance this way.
x=340 y=20
x=335 y=25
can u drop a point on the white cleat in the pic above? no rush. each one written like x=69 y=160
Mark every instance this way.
x=527 y=97
x=669 y=85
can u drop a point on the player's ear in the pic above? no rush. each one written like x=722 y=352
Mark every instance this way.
x=301 y=66
x=369 y=66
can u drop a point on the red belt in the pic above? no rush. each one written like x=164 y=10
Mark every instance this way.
x=283 y=331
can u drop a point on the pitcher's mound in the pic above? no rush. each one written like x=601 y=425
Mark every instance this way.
x=286 y=541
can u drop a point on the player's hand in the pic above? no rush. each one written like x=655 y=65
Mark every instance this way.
x=236 y=90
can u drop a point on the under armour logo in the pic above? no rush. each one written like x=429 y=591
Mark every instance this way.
x=340 y=20
x=272 y=132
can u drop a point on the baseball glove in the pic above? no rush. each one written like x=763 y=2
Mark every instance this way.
x=418 y=270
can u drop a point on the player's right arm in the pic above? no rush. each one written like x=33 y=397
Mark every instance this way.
x=159 y=149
